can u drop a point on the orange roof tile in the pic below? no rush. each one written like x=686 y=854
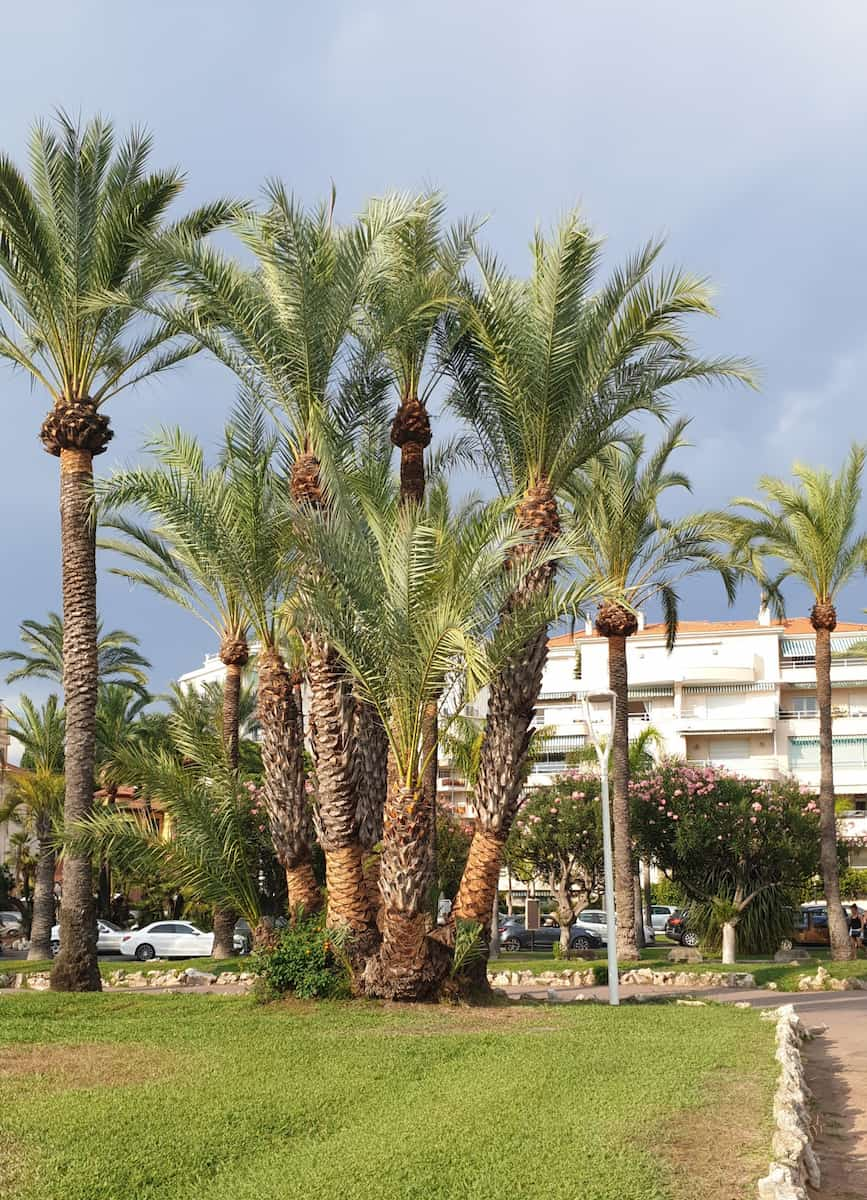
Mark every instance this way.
x=791 y=626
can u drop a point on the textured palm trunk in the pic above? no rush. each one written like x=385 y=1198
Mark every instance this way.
x=43 y=894
x=430 y=758
x=286 y=799
x=840 y=947
x=371 y=742
x=234 y=654
x=617 y=623
x=410 y=964
x=224 y=932
x=512 y=698
x=231 y=709
x=332 y=720
x=76 y=968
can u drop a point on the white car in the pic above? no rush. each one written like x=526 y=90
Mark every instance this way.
x=167 y=939
x=594 y=920
x=108 y=937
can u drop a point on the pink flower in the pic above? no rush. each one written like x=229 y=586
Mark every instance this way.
x=756 y=807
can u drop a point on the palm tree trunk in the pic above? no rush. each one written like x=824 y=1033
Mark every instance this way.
x=332 y=718
x=410 y=964
x=429 y=744
x=76 y=967
x=840 y=948
x=624 y=880
x=224 y=933
x=231 y=709
x=43 y=895
x=286 y=798
x=513 y=695
x=371 y=741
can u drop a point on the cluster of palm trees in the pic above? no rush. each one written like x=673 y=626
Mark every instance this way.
x=391 y=603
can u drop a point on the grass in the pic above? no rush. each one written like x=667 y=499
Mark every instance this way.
x=119 y=1097
x=215 y=966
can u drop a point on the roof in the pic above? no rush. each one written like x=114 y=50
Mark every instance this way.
x=791 y=627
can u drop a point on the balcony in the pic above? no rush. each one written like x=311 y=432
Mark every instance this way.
x=764 y=767
x=704 y=722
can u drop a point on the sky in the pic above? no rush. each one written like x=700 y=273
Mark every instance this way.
x=734 y=129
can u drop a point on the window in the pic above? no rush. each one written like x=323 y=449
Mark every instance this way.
x=848 y=752
x=725 y=749
x=660 y=910
x=163 y=929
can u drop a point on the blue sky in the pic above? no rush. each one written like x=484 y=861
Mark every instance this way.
x=735 y=129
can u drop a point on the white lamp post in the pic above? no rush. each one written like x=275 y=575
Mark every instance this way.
x=603 y=752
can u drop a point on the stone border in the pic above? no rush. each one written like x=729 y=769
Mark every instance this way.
x=640 y=977
x=794 y=1163
x=39 y=981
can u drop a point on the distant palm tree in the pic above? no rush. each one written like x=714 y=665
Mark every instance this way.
x=810 y=527
x=79 y=259
x=37 y=804
x=545 y=372
x=117 y=657
x=634 y=555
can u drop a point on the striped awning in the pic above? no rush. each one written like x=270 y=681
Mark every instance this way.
x=838 y=741
x=548 y=696
x=729 y=689
x=806 y=647
x=651 y=691
x=810 y=685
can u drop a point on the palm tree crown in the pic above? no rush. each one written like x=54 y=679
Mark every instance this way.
x=118 y=660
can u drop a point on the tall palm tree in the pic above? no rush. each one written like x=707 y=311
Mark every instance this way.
x=285 y=328
x=77 y=259
x=422 y=262
x=37 y=802
x=216 y=545
x=409 y=598
x=634 y=555
x=117 y=657
x=545 y=371
x=810 y=528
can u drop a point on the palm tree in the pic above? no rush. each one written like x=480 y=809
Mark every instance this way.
x=409 y=597
x=285 y=328
x=634 y=555
x=213 y=851
x=422 y=263
x=545 y=372
x=809 y=527
x=216 y=545
x=77 y=257
x=117 y=657
x=37 y=802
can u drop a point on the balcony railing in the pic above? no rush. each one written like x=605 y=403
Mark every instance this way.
x=837 y=710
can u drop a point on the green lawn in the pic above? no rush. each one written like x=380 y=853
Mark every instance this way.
x=125 y=1097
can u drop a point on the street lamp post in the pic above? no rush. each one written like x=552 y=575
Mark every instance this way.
x=603 y=752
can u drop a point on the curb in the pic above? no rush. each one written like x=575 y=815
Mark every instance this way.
x=794 y=1164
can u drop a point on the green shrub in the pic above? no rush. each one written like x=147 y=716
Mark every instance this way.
x=853 y=882
x=308 y=960
x=665 y=891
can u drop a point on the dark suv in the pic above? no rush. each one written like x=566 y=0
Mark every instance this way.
x=677 y=928
x=514 y=936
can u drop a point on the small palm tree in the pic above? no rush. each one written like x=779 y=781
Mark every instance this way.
x=37 y=803
x=117 y=657
x=78 y=258
x=212 y=851
x=634 y=555
x=810 y=528
x=545 y=372
x=409 y=600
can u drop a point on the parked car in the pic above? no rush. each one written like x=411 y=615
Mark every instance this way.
x=594 y=919
x=677 y=928
x=810 y=926
x=173 y=939
x=108 y=937
x=515 y=936
x=659 y=914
